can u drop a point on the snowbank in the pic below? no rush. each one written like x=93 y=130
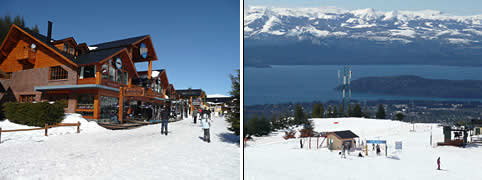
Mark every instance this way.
x=39 y=135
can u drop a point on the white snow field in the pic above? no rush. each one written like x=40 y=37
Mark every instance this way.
x=272 y=157
x=140 y=153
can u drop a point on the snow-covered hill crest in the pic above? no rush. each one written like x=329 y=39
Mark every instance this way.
x=401 y=26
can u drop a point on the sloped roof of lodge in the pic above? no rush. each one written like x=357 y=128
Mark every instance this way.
x=102 y=51
x=347 y=134
x=189 y=92
x=119 y=43
x=96 y=56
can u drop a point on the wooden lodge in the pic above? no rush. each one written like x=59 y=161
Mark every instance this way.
x=336 y=139
x=99 y=81
x=195 y=98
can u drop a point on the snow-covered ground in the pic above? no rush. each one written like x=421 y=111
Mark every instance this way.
x=141 y=153
x=273 y=157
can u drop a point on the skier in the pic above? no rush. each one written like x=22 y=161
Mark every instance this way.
x=301 y=144
x=378 y=150
x=165 y=120
x=438 y=163
x=343 y=149
x=205 y=126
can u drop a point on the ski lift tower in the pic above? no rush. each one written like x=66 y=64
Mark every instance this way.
x=344 y=80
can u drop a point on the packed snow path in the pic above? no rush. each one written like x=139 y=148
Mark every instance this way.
x=273 y=157
x=141 y=153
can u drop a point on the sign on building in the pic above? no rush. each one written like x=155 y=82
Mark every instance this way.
x=398 y=145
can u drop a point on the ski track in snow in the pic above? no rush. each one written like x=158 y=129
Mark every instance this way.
x=272 y=157
x=140 y=153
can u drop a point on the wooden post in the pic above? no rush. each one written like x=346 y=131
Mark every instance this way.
x=46 y=127
x=366 y=149
x=78 y=127
x=310 y=143
x=121 y=105
x=317 y=139
x=98 y=77
x=0 y=135
x=96 y=106
x=149 y=72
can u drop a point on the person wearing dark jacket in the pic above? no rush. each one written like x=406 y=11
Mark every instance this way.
x=164 y=120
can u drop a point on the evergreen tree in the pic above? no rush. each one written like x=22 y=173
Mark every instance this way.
x=350 y=112
x=233 y=116
x=264 y=127
x=316 y=111
x=6 y=22
x=258 y=126
x=329 y=114
x=357 y=112
x=322 y=111
x=381 y=112
x=300 y=116
x=400 y=116
x=335 y=112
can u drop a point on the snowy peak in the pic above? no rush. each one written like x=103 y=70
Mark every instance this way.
x=401 y=26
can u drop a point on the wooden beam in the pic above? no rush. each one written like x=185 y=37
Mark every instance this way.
x=121 y=104
x=96 y=106
x=149 y=72
x=98 y=77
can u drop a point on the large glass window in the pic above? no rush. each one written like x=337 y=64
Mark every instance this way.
x=85 y=102
x=104 y=71
x=57 y=73
x=87 y=72
x=111 y=71
x=109 y=107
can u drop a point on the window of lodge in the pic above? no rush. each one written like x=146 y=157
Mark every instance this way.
x=58 y=73
x=85 y=102
x=87 y=72
x=111 y=73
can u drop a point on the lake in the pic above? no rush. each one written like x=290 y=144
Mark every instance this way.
x=307 y=83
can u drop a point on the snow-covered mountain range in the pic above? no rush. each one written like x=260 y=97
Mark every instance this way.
x=315 y=24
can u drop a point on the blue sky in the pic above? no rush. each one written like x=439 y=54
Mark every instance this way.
x=197 y=42
x=454 y=7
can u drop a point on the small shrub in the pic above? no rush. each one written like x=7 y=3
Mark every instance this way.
x=289 y=134
x=34 y=114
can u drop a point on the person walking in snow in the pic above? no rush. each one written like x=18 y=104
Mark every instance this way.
x=438 y=163
x=301 y=143
x=378 y=150
x=206 y=124
x=194 y=115
x=164 y=119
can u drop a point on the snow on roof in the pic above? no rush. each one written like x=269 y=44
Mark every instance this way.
x=92 y=47
x=216 y=95
x=155 y=73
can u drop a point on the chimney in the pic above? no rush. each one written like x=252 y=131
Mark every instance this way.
x=49 y=32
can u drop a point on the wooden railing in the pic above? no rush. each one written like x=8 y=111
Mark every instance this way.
x=140 y=91
x=46 y=128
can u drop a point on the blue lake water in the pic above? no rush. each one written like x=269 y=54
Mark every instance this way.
x=316 y=83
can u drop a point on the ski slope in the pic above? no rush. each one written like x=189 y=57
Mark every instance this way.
x=141 y=153
x=273 y=157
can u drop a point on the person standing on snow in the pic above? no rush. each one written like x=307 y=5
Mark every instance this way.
x=301 y=144
x=438 y=163
x=194 y=115
x=164 y=120
x=206 y=124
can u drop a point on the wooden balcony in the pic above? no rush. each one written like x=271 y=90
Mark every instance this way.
x=26 y=54
x=140 y=92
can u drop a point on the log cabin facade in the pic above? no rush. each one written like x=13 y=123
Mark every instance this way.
x=96 y=81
